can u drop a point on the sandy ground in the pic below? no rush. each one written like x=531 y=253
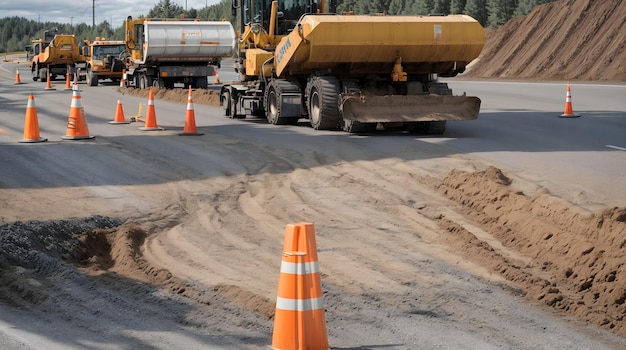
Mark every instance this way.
x=410 y=257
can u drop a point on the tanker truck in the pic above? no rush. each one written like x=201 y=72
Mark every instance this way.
x=163 y=52
x=357 y=73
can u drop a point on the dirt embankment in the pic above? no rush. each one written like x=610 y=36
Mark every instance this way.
x=562 y=40
x=553 y=252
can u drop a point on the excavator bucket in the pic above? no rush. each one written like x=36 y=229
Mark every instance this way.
x=408 y=108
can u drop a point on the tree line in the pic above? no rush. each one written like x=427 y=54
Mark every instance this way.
x=17 y=32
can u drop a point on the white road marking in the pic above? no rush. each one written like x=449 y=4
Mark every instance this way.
x=616 y=147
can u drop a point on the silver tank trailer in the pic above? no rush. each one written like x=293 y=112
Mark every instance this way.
x=168 y=41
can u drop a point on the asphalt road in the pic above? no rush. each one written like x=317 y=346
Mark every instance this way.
x=580 y=159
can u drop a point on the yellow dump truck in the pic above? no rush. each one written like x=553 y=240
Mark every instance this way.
x=298 y=59
x=103 y=60
x=54 y=55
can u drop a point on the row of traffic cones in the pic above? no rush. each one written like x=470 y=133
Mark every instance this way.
x=77 y=128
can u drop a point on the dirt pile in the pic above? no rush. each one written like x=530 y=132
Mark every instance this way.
x=200 y=96
x=553 y=252
x=562 y=40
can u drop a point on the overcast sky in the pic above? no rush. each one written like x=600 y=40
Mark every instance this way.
x=80 y=11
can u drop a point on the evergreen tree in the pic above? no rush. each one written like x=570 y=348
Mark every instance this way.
x=396 y=7
x=525 y=6
x=457 y=6
x=500 y=11
x=478 y=10
x=441 y=7
x=422 y=7
x=165 y=9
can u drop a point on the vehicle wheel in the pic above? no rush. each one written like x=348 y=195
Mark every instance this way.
x=158 y=83
x=435 y=127
x=323 y=102
x=226 y=103
x=43 y=75
x=354 y=127
x=143 y=81
x=92 y=80
x=273 y=101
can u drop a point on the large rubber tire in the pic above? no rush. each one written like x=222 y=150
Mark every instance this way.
x=273 y=101
x=92 y=80
x=202 y=83
x=225 y=102
x=143 y=81
x=43 y=75
x=354 y=127
x=323 y=102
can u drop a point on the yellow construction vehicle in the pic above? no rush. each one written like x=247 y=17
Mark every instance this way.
x=54 y=55
x=300 y=59
x=103 y=60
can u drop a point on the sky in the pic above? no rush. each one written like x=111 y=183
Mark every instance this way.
x=80 y=11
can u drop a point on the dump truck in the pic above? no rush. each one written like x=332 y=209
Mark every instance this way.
x=103 y=60
x=163 y=52
x=54 y=55
x=357 y=73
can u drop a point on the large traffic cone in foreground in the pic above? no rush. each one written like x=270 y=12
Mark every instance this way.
x=48 y=83
x=190 y=119
x=151 y=124
x=68 y=85
x=77 y=128
x=17 y=77
x=299 y=321
x=119 y=115
x=31 y=123
x=569 y=112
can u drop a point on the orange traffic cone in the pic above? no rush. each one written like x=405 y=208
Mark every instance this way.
x=569 y=112
x=217 y=77
x=151 y=124
x=17 y=77
x=190 y=119
x=299 y=321
x=123 y=80
x=31 y=123
x=119 y=115
x=68 y=85
x=77 y=128
x=48 y=84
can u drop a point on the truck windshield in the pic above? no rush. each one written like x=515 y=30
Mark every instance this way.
x=102 y=51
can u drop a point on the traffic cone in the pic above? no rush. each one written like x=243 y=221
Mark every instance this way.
x=123 y=80
x=569 y=112
x=75 y=84
x=68 y=85
x=17 y=77
x=217 y=77
x=299 y=321
x=77 y=128
x=31 y=123
x=48 y=84
x=190 y=119
x=151 y=124
x=119 y=115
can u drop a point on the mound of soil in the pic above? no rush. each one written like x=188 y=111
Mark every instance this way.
x=561 y=40
x=200 y=96
x=555 y=253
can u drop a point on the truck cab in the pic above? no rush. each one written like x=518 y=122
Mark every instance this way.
x=103 y=60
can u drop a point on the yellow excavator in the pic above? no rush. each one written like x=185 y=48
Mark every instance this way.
x=357 y=73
